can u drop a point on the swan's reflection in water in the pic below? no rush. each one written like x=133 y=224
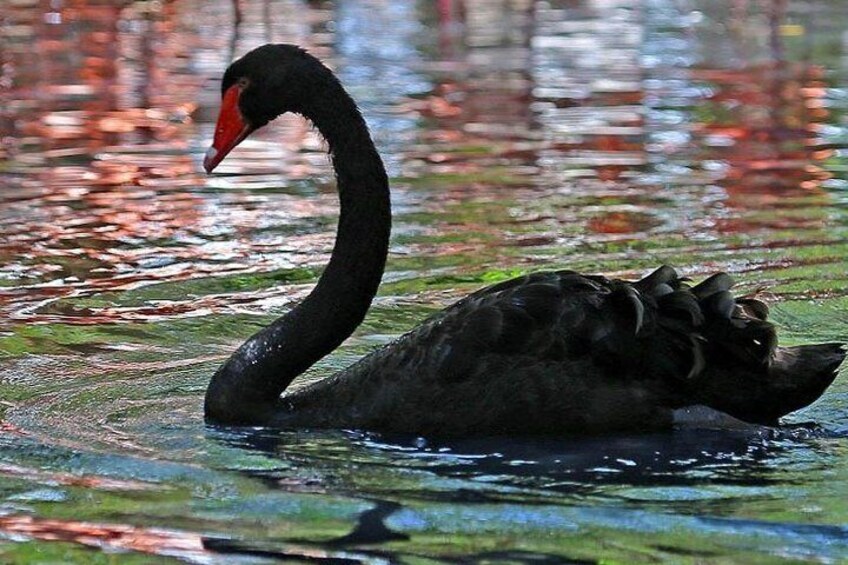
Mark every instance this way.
x=689 y=456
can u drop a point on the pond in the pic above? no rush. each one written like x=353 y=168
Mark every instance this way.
x=604 y=136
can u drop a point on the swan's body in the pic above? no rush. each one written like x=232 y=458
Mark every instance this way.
x=551 y=353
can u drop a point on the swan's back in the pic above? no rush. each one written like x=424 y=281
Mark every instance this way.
x=558 y=352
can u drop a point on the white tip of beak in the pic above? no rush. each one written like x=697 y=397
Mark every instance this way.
x=209 y=159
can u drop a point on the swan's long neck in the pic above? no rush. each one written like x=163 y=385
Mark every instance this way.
x=247 y=387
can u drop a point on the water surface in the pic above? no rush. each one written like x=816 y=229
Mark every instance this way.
x=518 y=136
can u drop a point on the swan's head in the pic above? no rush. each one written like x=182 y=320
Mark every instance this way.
x=267 y=82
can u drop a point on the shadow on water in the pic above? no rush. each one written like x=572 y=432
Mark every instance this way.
x=573 y=466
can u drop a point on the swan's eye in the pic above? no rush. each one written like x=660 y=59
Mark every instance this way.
x=243 y=82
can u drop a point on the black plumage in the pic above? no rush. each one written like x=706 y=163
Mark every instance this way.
x=547 y=353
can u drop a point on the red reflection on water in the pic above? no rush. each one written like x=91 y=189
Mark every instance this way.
x=761 y=121
x=775 y=113
x=98 y=114
x=124 y=537
x=69 y=479
x=621 y=223
x=8 y=427
x=525 y=103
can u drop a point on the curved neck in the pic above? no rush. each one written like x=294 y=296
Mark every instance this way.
x=248 y=386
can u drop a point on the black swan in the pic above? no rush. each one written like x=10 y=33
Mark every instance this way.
x=547 y=353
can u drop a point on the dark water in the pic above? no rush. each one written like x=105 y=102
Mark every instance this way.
x=519 y=135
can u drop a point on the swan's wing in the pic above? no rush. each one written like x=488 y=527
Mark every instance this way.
x=560 y=352
x=658 y=328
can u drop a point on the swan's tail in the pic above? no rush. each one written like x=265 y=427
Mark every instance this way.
x=795 y=377
x=735 y=363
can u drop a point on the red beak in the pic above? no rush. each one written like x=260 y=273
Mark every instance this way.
x=230 y=130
